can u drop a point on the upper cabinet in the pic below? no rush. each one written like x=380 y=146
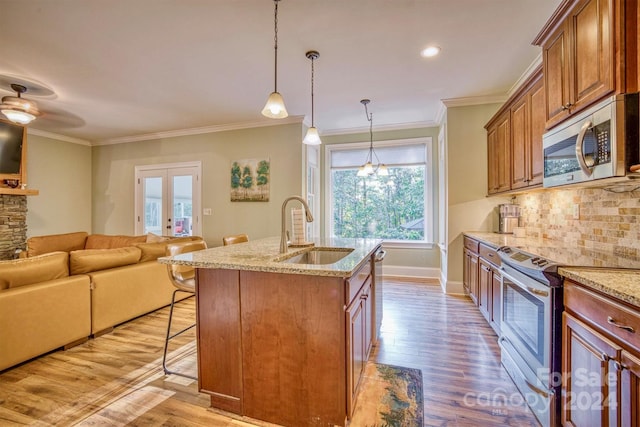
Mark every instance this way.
x=589 y=52
x=514 y=139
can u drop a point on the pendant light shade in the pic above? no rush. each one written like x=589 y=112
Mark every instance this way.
x=312 y=137
x=18 y=109
x=274 y=108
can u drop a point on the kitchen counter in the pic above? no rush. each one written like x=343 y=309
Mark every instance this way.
x=281 y=342
x=621 y=284
x=264 y=255
x=605 y=272
x=557 y=251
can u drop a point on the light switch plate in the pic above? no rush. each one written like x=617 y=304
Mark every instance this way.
x=206 y=211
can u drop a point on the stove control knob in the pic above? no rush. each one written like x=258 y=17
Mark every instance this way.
x=542 y=262
x=535 y=260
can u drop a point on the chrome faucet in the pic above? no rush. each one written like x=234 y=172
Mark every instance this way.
x=283 y=236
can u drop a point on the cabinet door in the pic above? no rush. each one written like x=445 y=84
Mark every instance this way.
x=589 y=376
x=367 y=293
x=355 y=349
x=492 y=160
x=537 y=125
x=473 y=276
x=484 y=291
x=630 y=390
x=520 y=143
x=591 y=64
x=555 y=54
x=496 y=301
x=503 y=154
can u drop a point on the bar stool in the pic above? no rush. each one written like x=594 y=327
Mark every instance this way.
x=183 y=278
x=236 y=238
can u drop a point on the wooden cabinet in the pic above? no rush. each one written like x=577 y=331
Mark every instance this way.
x=589 y=381
x=585 y=47
x=470 y=268
x=514 y=139
x=527 y=128
x=499 y=154
x=482 y=279
x=360 y=326
x=284 y=348
x=600 y=359
x=490 y=283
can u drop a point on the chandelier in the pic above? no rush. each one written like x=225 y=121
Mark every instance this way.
x=369 y=168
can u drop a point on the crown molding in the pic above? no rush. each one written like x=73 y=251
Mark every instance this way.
x=474 y=100
x=442 y=111
x=38 y=132
x=381 y=128
x=533 y=67
x=200 y=130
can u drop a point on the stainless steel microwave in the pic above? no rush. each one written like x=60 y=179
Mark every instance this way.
x=600 y=142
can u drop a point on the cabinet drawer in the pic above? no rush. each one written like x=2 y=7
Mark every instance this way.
x=622 y=323
x=355 y=282
x=490 y=255
x=471 y=244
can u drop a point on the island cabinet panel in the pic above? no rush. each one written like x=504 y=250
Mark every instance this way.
x=293 y=339
x=218 y=328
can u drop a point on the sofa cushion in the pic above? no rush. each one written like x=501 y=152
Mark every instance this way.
x=105 y=241
x=40 y=268
x=153 y=238
x=88 y=260
x=68 y=242
x=152 y=251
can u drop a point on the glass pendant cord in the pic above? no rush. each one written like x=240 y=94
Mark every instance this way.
x=275 y=47
x=313 y=58
x=371 y=150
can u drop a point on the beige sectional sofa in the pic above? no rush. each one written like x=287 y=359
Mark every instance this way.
x=67 y=287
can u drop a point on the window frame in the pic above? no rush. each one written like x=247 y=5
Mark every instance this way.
x=429 y=215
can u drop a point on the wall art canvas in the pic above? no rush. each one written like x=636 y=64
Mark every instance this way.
x=250 y=180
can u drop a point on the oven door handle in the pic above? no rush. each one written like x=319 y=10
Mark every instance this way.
x=537 y=390
x=537 y=291
x=580 y=148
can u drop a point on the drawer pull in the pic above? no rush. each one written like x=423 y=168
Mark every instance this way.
x=619 y=366
x=612 y=321
x=604 y=357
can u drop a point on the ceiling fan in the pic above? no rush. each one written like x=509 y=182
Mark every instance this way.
x=23 y=111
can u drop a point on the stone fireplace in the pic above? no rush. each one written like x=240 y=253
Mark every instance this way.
x=13 y=225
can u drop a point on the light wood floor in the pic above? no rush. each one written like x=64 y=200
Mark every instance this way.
x=117 y=379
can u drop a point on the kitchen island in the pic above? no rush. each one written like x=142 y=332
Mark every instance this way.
x=282 y=339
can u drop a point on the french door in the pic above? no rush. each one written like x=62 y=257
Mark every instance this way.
x=168 y=199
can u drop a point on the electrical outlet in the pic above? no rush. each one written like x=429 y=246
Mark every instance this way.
x=206 y=211
x=576 y=211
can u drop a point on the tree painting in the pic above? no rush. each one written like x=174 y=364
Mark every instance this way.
x=250 y=180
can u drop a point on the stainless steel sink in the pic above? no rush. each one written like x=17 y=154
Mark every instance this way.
x=318 y=256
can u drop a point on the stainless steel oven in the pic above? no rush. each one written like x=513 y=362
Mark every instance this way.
x=530 y=330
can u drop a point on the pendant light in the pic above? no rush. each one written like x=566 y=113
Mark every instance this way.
x=274 y=108
x=369 y=168
x=312 y=137
x=18 y=109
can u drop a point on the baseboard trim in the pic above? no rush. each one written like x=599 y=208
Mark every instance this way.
x=415 y=272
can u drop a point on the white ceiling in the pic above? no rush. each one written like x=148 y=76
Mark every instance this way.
x=122 y=68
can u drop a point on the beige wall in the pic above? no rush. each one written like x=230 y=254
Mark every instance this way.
x=468 y=207
x=61 y=171
x=113 y=171
x=413 y=259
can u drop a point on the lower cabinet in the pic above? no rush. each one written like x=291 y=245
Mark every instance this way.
x=359 y=339
x=600 y=360
x=482 y=279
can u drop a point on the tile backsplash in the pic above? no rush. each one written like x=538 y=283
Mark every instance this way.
x=607 y=220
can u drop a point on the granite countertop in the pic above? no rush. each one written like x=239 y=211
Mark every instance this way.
x=621 y=284
x=602 y=271
x=264 y=255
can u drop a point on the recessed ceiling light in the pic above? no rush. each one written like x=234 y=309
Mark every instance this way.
x=430 y=51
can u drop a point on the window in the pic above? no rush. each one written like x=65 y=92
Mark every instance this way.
x=396 y=208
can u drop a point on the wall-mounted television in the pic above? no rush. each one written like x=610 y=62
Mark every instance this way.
x=13 y=150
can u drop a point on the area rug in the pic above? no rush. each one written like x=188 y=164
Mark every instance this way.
x=390 y=396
